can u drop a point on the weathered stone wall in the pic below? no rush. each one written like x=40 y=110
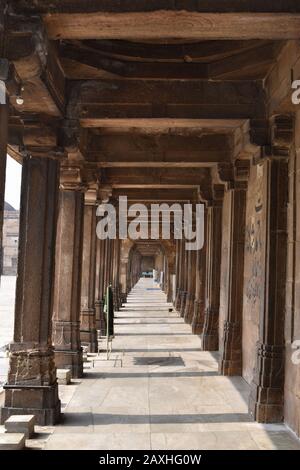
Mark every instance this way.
x=254 y=271
x=292 y=323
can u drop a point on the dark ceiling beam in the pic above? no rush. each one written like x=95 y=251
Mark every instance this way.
x=155 y=177
x=220 y=6
x=159 y=150
x=169 y=24
x=183 y=67
x=158 y=195
x=184 y=52
x=194 y=99
x=131 y=69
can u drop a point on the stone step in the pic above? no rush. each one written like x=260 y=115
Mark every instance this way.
x=23 y=424
x=63 y=376
x=12 y=441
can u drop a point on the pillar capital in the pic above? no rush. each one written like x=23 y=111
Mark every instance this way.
x=91 y=196
x=71 y=179
x=105 y=192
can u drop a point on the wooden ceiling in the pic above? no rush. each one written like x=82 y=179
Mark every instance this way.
x=147 y=95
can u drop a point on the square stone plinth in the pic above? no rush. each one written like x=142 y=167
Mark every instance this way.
x=63 y=376
x=20 y=424
x=14 y=441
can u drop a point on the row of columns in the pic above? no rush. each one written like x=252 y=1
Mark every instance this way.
x=63 y=272
x=204 y=294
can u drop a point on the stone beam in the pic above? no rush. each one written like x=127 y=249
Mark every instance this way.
x=193 y=99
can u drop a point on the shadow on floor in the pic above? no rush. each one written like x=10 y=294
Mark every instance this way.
x=129 y=375
x=89 y=418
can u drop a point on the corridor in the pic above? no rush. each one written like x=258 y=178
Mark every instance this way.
x=158 y=390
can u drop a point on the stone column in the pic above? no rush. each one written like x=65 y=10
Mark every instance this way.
x=200 y=287
x=232 y=267
x=266 y=401
x=32 y=386
x=3 y=151
x=116 y=274
x=190 y=297
x=184 y=278
x=178 y=261
x=106 y=265
x=210 y=336
x=171 y=272
x=99 y=292
x=88 y=332
x=66 y=316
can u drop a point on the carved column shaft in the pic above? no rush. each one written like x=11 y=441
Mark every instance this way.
x=190 y=297
x=210 y=336
x=232 y=267
x=200 y=286
x=184 y=277
x=32 y=387
x=88 y=332
x=267 y=396
x=99 y=294
x=178 y=262
x=67 y=299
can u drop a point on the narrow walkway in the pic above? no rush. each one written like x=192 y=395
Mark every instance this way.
x=158 y=391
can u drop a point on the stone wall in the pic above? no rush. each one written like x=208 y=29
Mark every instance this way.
x=254 y=270
x=292 y=323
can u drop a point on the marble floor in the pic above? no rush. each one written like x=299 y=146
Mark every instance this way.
x=158 y=390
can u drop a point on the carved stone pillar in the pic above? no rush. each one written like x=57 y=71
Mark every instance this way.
x=200 y=286
x=190 y=297
x=180 y=276
x=99 y=292
x=210 y=336
x=116 y=274
x=88 y=332
x=32 y=386
x=171 y=273
x=232 y=267
x=184 y=278
x=267 y=396
x=177 y=273
x=3 y=151
x=66 y=317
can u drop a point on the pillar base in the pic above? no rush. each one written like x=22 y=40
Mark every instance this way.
x=70 y=360
x=230 y=367
x=89 y=339
x=189 y=309
x=198 y=318
x=265 y=412
x=177 y=300
x=231 y=352
x=182 y=303
x=266 y=401
x=210 y=342
x=88 y=332
x=40 y=401
x=99 y=304
x=210 y=335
